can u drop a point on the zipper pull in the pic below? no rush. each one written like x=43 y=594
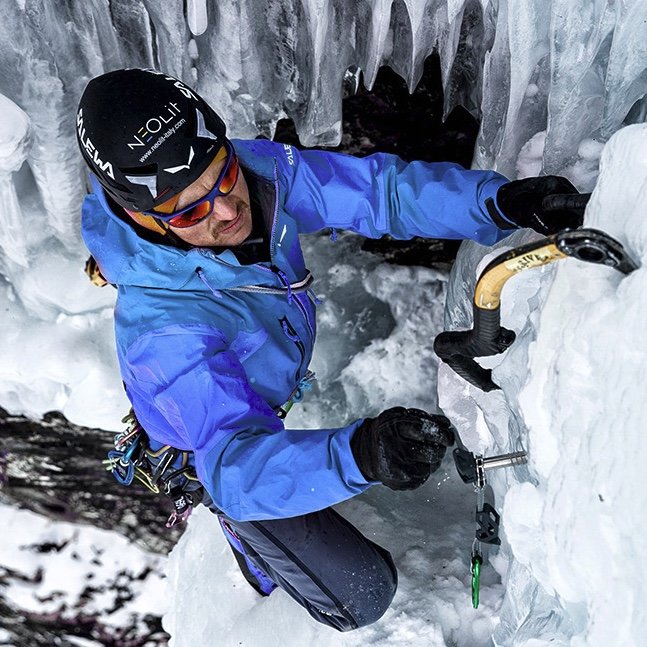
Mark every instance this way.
x=284 y=280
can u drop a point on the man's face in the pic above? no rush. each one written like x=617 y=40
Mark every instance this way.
x=230 y=220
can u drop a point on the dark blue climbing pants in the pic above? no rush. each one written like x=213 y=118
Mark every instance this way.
x=342 y=579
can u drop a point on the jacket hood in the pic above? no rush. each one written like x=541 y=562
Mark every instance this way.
x=127 y=259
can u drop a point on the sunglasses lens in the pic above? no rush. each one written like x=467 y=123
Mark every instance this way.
x=192 y=216
x=230 y=177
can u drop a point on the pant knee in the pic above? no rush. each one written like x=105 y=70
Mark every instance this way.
x=379 y=592
x=369 y=598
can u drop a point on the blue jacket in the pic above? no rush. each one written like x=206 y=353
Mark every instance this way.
x=206 y=365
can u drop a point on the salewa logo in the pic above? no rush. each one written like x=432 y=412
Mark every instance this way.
x=175 y=169
x=178 y=84
x=154 y=125
x=90 y=148
x=289 y=154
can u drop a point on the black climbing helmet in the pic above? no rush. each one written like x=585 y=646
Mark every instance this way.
x=146 y=135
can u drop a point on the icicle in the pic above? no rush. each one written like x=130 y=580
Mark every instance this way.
x=15 y=139
x=196 y=14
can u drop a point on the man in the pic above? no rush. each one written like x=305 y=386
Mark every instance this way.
x=215 y=324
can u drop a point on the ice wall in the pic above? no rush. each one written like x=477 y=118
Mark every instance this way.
x=572 y=395
x=571 y=70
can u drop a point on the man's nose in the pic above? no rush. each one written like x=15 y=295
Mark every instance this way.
x=224 y=208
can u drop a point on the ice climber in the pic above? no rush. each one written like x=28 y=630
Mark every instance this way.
x=215 y=323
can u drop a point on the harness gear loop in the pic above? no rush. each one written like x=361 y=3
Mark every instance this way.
x=158 y=470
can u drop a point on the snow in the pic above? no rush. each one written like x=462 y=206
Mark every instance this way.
x=554 y=80
x=65 y=569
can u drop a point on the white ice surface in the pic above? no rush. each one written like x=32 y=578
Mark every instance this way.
x=573 y=396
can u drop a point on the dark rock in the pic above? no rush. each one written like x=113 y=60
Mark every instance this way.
x=389 y=119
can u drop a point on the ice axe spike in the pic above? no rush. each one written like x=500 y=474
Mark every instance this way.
x=487 y=337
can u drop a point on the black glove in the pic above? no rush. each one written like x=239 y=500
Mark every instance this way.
x=520 y=202
x=401 y=447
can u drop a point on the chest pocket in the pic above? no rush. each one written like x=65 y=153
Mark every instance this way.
x=247 y=343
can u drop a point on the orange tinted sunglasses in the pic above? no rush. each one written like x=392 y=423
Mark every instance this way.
x=200 y=209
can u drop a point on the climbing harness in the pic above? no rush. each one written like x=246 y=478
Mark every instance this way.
x=487 y=337
x=166 y=470
x=472 y=469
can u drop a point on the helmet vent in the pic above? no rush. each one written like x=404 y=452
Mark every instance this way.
x=203 y=131
x=149 y=181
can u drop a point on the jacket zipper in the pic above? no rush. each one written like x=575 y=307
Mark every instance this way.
x=276 y=210
x=304 y=312
x=293 y=336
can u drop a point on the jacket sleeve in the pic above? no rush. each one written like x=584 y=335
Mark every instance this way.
x=188 y=390
x=381 y=194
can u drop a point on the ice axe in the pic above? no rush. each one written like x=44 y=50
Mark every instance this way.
x=487 y=337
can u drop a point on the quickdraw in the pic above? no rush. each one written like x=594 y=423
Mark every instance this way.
x=471 y=469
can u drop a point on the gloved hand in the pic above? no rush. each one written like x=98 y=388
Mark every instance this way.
x=401 y=447
x=520 y=203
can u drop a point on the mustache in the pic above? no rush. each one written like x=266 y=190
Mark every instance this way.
x=241 y=209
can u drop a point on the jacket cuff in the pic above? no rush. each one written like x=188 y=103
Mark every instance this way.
x=497 y=217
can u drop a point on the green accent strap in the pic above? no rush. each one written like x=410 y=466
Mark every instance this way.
x=477 y=560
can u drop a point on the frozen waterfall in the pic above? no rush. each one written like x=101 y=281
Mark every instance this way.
x=551 y=81
x=572 y=70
